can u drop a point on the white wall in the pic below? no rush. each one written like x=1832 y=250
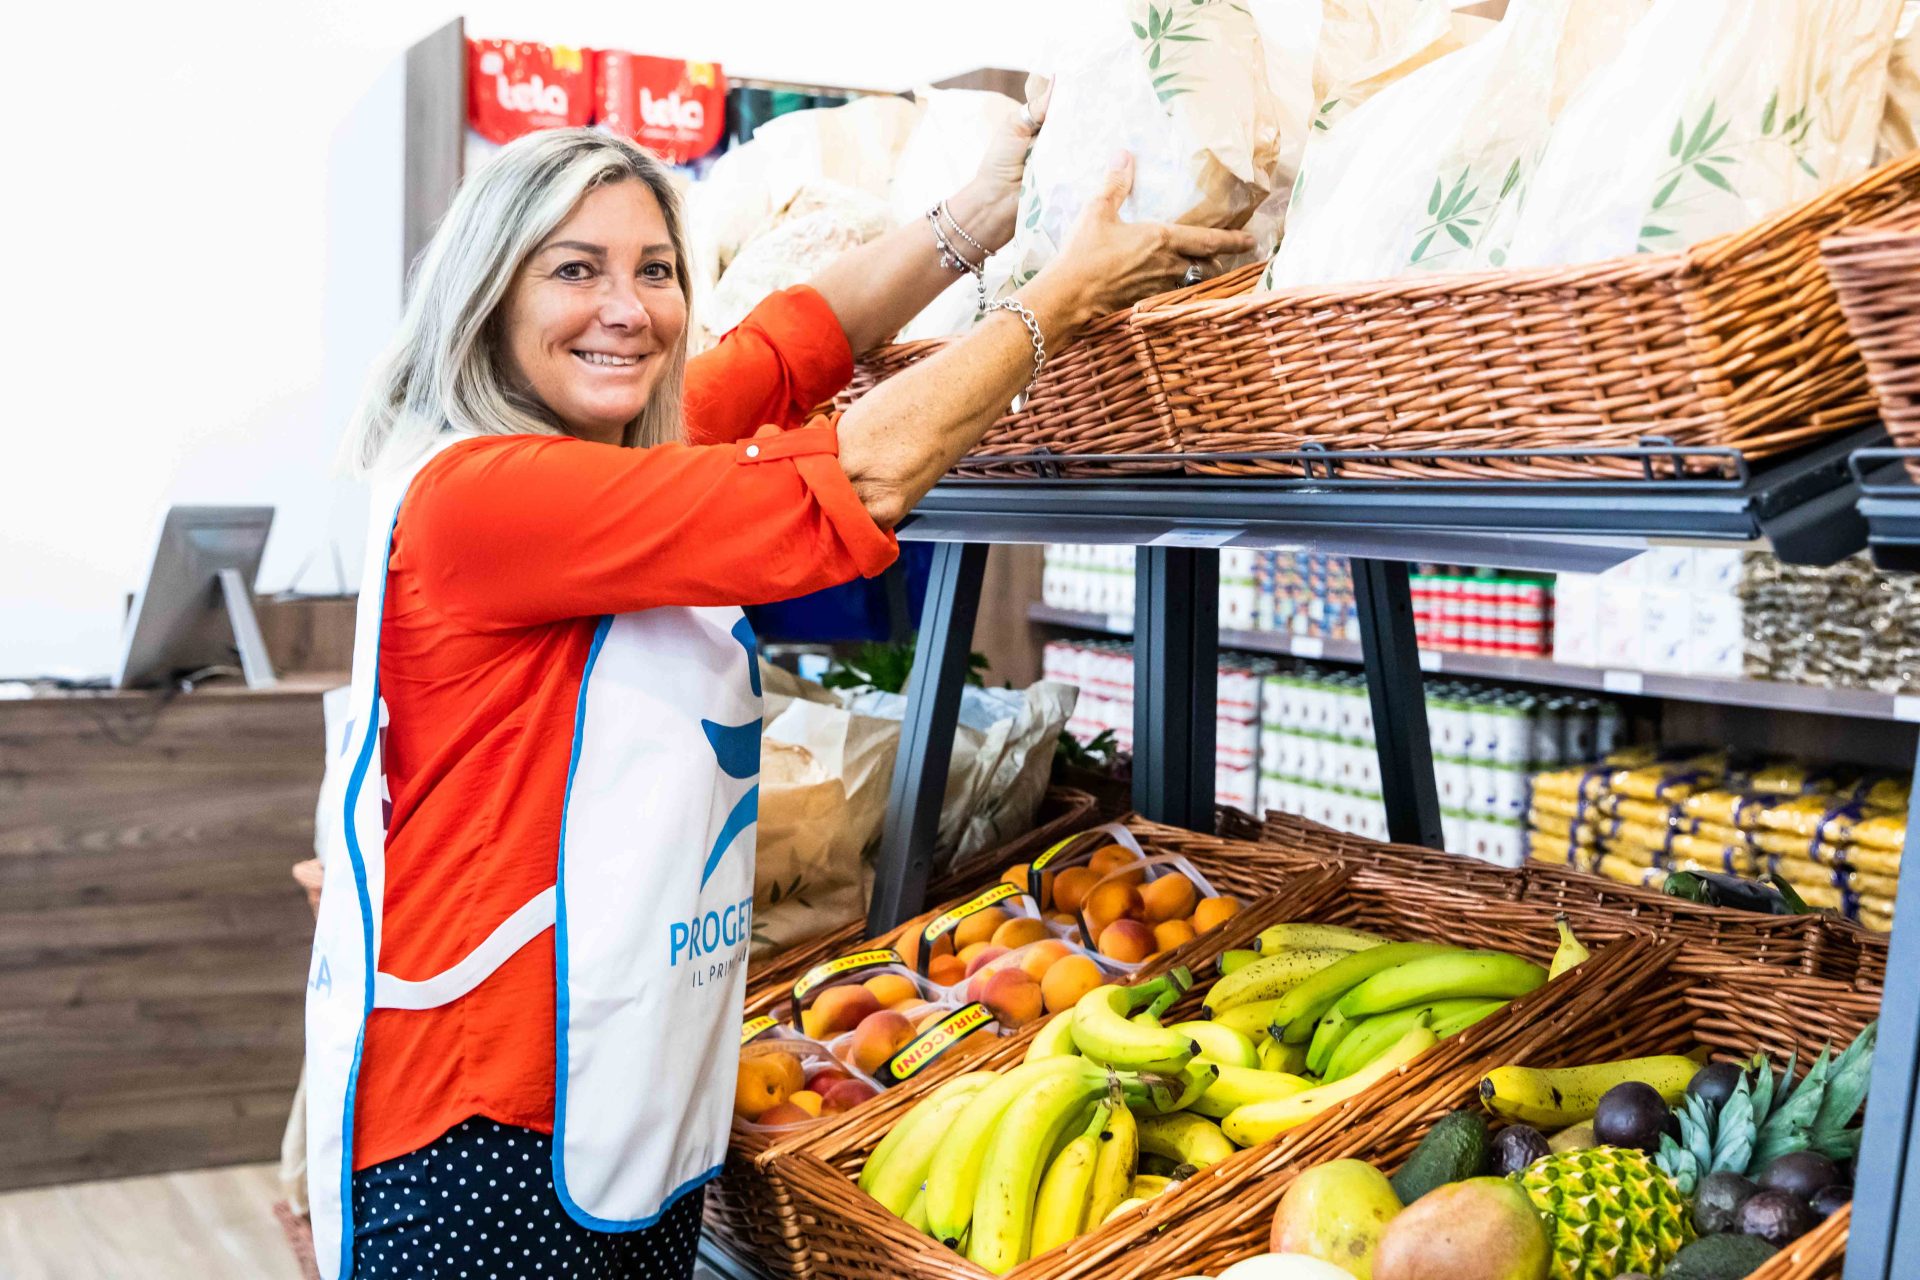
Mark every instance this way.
x=206 y=241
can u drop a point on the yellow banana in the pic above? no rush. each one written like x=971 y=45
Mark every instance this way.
x=1133 y=1202
x=1220 y=1044
x=1232 y=960
x=1241 y=1086
x=1115 y=1166
x=1564 y=1096
x=954 y=1172
x=1184 y=1138
x=1302 y=1007
x=1261 y=1121
x=1149 y=1185
x=1281 y=937
x=1250 y=1020
x=1486 y=975
x=1570 y=954
x=894 y=1173
x=1269 y=976
x=1055 y=1040
x=1028 y=1132
x=1060 y=1212
x=1104 y=1031
x=916 y=1214
x=1290 y=1058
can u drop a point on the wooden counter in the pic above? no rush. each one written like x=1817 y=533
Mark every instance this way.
x=153 y=947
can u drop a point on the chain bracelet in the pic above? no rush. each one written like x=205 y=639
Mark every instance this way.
x=953 y=260
x=1032 y=322
x=946 y=211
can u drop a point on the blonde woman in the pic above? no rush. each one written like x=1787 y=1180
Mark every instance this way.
x=526 y=983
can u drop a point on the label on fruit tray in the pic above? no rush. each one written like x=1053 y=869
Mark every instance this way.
x=515 y=87
x=844 y=965
x=935 y=1041
x=944 y=922
x=757 y=1027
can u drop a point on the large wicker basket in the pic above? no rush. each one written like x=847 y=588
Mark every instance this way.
x=1689 y=998
x=753 y=1213
x=1875 y=270
x=853 y=1238
x=1803 y=944
x=1737 y=342
x=1093 y=397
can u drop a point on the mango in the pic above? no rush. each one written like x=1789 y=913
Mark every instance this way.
x=1336 y=1212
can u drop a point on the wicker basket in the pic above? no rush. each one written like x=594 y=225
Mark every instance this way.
x=751 y=1209
x=1092 y=398
x=1875 y=270
x=1817 y=945
x=853 y=1237
x=1736 y=342
x=1687 y=997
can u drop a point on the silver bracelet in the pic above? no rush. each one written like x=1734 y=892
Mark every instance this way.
x=946 y=211
x=1033 y=331
x=953 y=260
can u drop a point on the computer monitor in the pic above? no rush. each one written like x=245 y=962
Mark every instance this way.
x=196 y=609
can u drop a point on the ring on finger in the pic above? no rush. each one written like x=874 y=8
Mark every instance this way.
x=1027 y=121
x=1195 y=274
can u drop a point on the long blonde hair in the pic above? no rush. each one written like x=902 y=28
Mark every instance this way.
x=443 y=369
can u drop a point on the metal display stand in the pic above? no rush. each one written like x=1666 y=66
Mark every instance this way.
x=1807 y=509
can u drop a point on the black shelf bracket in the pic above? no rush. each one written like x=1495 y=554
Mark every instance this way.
x=926 y=734
x=1176 y=651
x=1395 y=687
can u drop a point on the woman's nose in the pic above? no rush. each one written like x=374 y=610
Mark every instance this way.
x=621 y=308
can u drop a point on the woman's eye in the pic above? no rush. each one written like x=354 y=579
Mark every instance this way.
x=658 y=271
x=573 y=271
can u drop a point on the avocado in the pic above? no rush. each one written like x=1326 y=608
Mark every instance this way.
x=1721 y=1257
x=1454 y=1150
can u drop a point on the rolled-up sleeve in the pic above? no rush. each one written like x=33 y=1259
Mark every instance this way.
x=785 y=360
x=520 y=530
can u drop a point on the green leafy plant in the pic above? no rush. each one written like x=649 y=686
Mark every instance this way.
x=878 y=665
x=1097 y=754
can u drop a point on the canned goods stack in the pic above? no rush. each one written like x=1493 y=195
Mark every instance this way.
x=1236 y=770
x=1305 y=593
x=1635 y=816
x=1319 y=760
x=1103 y=672
x=1507 y=615
x=1089 y=579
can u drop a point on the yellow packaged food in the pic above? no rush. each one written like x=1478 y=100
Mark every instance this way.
x=1848 y=822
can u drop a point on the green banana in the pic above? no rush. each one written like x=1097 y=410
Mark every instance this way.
x=1117 y=1162
x=1240 y=1086
x=1258 y=1122
x=898 y=1166
x=1164 y=1095
x=1453 y=1024
x=1250 y=1020
x=1269 y=976
x=1233 y=960
x=1570 y=954
x=1104 y=1033
x=955 y=1168
x=1220 y=1044
x=1372 y=1037
x=1559 y=1098
x=1294 y=1017
x=1054 y=1040
x=1281 y=937
x=1486 y=974
x=1327 y=1035
x=1290 y=1058
x=1185 y=1138
x=1060 y=1211
x=1008 y=1187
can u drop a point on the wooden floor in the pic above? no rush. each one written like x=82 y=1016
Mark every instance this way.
x=209 y=1224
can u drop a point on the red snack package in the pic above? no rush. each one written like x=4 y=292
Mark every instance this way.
x=514 y=87
x=676 y=109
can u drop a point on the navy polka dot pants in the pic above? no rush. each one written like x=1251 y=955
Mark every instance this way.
x=478 y=1204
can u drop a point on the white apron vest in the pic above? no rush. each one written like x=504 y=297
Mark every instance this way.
x=651 y=913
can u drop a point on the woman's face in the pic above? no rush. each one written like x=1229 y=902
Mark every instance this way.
x=596 y=312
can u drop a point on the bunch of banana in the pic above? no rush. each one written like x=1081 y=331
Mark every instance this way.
x=1555 y=1098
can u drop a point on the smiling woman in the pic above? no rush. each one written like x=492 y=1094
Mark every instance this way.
x=527 y=969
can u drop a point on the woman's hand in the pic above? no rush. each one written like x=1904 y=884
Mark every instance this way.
x=1107 y=264
x=989 y=204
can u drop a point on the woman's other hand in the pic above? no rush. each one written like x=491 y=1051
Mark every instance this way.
x=992 y=197
x=1107 y=264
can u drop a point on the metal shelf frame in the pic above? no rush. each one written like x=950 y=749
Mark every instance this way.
x=1805 y=507
x=1890 y=504
x=1768 y=695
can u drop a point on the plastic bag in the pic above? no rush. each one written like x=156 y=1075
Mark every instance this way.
x=1182 y=85
x=823 y=221
x=1900 y=121
x=1715 y=114
x=1366 y=45
x=1420 y=177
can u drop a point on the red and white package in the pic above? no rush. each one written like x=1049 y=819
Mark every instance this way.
x=514 y=87
x=678 y=110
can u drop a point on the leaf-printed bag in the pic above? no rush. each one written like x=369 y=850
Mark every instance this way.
x=1900 y=122
x=1366 y=45
x=1422 y=176
x=1714 y=114
x=1182 y=84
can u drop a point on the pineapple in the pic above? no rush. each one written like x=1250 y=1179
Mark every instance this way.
x=1609 y=1210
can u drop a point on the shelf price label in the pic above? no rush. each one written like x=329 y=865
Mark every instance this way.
x=1195 y=538
x=1906 y=706
x=1627 y=682
x=1307 y=646
x=1430 y=660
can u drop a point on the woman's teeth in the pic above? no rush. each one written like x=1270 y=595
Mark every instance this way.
x=601 y=357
